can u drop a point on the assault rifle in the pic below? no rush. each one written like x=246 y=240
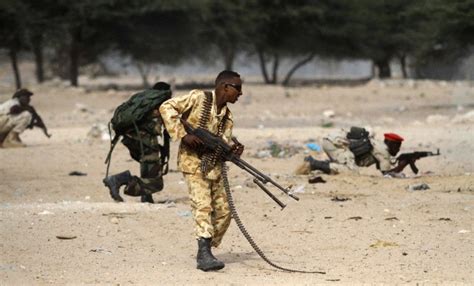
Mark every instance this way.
x=412 y=157
x=38 y=122
x=214 y=143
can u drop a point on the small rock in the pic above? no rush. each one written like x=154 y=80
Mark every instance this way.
x=418 y=187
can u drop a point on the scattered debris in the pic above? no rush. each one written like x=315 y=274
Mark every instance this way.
x=314 y=147
x=65 y=236
x=77 y=173
x=99 y=131
x=118 y=215
x=445 y=218
x=418 y=187
x=340 y=199
x=45 y=212
x=315 y=180
x=184 y=213
x=277 y=150
x=392 y=218
x=381 y=243
x=114 y=220
x=327 y=124
x=328 y=217
x=299 y=189
x=100 y=250
x=464 y=231
x=329 y=113
x=404 y=253
x=81 y=107
x=356 y=218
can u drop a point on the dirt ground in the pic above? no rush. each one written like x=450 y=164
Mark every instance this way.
x=357 y=228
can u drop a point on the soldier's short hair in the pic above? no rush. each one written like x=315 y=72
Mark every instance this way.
x=225 y=75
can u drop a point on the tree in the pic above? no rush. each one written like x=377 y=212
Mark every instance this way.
x=160 y=33
x=12 y=34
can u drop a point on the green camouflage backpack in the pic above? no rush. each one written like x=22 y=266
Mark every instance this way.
x=130 y=114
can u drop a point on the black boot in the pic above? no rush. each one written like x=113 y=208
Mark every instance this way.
x=115 y=182
x=205 y=260
x=147 y=198
x=318 y=165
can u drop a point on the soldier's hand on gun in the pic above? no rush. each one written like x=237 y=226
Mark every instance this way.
x=192 y=141
x=237 y=148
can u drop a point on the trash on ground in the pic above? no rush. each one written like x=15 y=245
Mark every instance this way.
x=418 y=187
x=65 y=236
x=355 y=218
x=445 y=218
x=278 y=150
x=315 y=180
x=392 y=218
x=313 y=147
x=381 y=243
x=184 y=213
x=100 y=250
x=299 y=189
x=339 y=199
x=77 y=173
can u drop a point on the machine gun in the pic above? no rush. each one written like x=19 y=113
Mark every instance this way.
x=213 y=143
x=412 y=157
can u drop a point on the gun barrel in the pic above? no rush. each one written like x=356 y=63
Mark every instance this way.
x=260 y=176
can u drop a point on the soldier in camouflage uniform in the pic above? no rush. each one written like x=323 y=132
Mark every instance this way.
x=151 y=165
x=343 y=160
x=208 y=198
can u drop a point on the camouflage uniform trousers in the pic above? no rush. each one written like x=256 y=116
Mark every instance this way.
x=210 y=207
x=16 y=123
x=151 y=173
x=342 y=159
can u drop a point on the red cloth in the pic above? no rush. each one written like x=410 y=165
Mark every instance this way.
x=393 y=137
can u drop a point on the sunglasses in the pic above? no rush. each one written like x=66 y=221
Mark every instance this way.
x=237 y=87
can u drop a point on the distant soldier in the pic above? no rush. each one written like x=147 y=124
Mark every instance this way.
x=16 y=115
x=347 y=151
x=138 y=122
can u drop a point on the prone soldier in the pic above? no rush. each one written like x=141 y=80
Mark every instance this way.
x=347 y=151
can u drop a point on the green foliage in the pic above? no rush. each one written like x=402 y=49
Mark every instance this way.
x=166 y=32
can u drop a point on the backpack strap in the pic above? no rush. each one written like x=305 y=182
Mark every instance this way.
x=113 y=142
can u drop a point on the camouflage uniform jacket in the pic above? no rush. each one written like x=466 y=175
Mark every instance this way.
x=191 y=105
x=379 y=154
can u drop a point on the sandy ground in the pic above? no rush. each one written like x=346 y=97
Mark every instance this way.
x=383 y=233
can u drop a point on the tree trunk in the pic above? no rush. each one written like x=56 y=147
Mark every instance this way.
x=144 y=71
x=229 y=56
x=299 y=64
x=16 y=71
x=384 y=68
x=38 y=53
x=403 y=66
x=74 y=50
x=263 y=67
x=276 y=65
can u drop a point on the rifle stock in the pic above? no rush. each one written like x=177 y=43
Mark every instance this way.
x=212 y=143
